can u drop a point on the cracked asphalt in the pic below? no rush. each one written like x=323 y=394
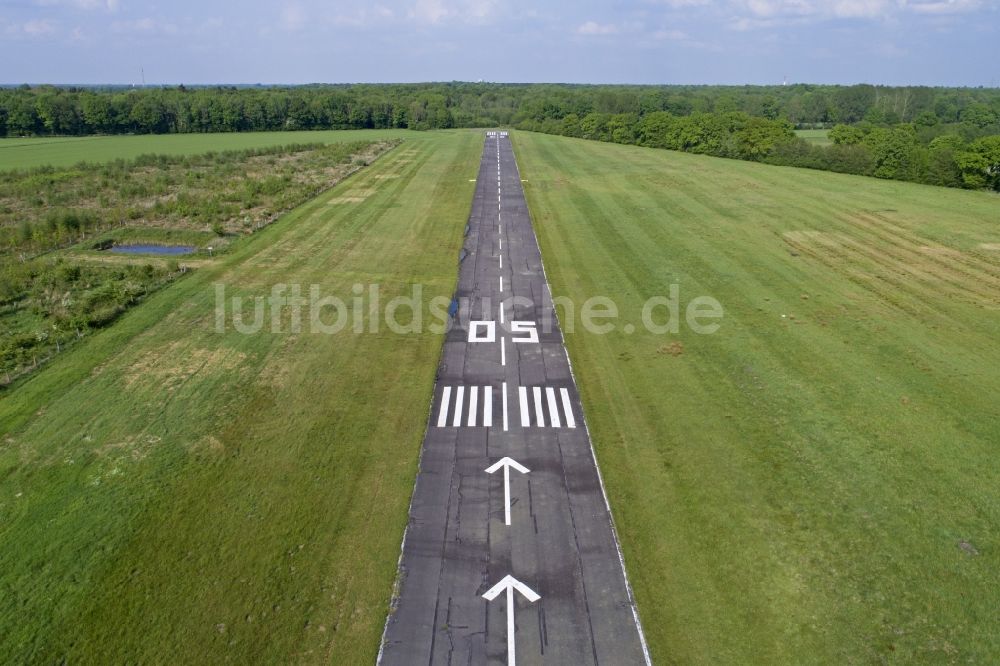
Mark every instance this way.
x=505 y=389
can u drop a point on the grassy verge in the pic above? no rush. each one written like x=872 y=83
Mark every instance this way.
x=167 y=491
x=817 y=481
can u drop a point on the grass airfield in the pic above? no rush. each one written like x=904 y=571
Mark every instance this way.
x=817 y=481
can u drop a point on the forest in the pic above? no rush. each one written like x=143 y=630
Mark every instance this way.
x=941 y=136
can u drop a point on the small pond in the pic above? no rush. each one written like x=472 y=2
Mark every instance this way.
x=153 y=249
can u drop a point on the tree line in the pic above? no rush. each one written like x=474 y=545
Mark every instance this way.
x=941 y=136
x=951 y=155
x=55 y=110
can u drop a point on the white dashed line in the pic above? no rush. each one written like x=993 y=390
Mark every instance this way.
x=504 y=387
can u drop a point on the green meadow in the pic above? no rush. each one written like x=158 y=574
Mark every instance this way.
x=819 y=137
x=167 y=489
x=817 y=481
x=18 y=153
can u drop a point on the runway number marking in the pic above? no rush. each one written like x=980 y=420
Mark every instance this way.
x=538 y=406
x=528 y=327
x=491 y=331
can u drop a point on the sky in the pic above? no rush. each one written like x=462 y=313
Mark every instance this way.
x=896 y=42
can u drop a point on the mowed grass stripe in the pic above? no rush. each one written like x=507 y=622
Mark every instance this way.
x=815 y=486
x=234 y=497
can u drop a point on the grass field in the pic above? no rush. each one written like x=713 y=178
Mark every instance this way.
x=819 y=137
x=65 y=151
x=817 y=482
x=170 y=492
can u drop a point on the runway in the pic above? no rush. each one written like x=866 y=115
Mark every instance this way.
x=509 y=553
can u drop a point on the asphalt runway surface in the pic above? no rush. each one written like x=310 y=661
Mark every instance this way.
x=505 y=391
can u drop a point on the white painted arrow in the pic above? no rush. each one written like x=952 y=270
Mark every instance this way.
x=509 y=583
x=506 y=463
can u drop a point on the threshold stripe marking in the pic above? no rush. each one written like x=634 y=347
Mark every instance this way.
x=568 y=408
x=473 y=403
x=539 y=413
x=550 y=394
x=459 y=394
x=443 y=414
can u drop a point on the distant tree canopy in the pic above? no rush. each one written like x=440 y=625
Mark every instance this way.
x=943 y=136
x=51 y=110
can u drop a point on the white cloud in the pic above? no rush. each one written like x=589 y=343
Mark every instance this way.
x=594 y=28
x=479 y=11
x=670 y=35
x=109 y=5
x=460 y=11
x=429 y=11
x=750 y=14
x=942 y=6
x=767 y=9
x=292 y=17
x=38 y=27
x=145 y=25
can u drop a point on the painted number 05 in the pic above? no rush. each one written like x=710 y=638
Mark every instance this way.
x=486 y=331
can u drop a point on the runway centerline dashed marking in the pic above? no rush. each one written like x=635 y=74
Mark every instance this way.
x=551 y=538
